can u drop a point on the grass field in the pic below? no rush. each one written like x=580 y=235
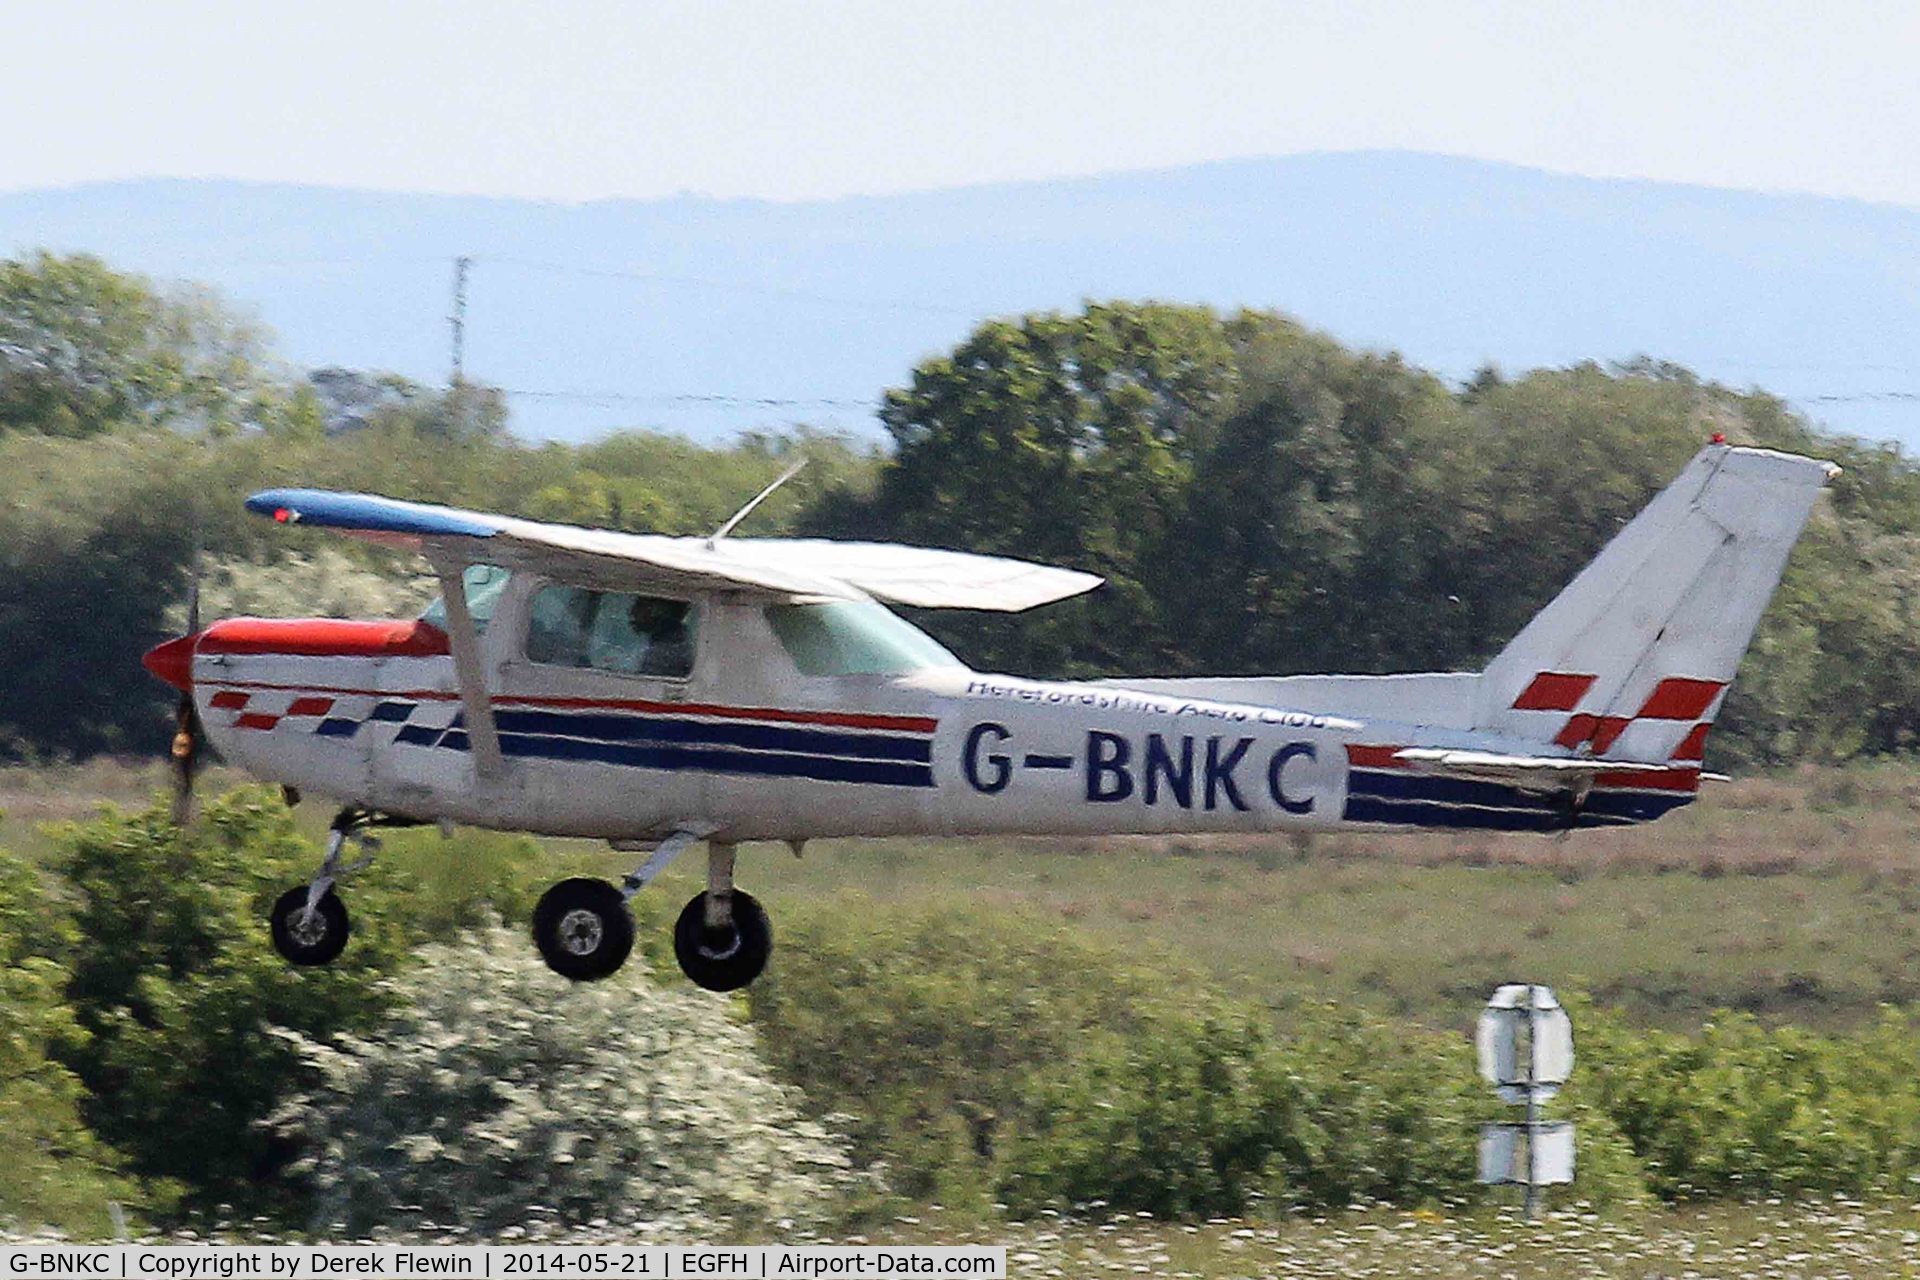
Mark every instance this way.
x=1762 y=1242
x=1794 y=897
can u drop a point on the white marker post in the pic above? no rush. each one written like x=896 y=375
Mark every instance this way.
x=1524 y=1013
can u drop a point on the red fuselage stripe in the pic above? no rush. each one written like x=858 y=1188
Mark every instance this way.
x=839 y=719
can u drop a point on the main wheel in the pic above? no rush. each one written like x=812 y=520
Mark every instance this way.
x=723 y=959
x=309 y=939
x=583 y=929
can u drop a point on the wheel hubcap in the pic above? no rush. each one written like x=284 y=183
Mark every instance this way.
x=581 y=932
x=307 y=927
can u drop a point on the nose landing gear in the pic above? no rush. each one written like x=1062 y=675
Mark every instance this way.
x=310 y=925
x=309 y=932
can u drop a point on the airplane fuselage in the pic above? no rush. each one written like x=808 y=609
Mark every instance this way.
x=371 y=715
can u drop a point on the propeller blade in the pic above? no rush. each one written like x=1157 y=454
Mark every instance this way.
x=185 y=751
x=184 y=758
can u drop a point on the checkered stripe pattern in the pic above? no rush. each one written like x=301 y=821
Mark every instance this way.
x=329 y=716
x=1673 y=702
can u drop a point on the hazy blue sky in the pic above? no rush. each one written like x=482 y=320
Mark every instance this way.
x=593 y=98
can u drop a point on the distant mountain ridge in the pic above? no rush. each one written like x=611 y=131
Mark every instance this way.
x=693 y=310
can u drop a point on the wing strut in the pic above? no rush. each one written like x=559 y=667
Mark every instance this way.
x=466 y=664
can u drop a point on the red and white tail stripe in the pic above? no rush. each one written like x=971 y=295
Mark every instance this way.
x=1671 y=723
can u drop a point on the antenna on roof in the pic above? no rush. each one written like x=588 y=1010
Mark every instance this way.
x=758 y=498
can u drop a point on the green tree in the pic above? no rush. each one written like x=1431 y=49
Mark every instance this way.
x=53 y=1171
x=1062 y=438
x=95 y=540
x=176 y=985
x=86 y=349
x=1316 y=535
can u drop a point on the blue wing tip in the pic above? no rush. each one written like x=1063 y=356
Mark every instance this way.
x=366 y=513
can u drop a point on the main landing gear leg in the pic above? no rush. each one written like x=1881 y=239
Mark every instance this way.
x=722 y=938
x=309 y=924
x=585 y=931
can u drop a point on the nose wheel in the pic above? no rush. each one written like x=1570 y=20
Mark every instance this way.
x=309 y=933
x=309 y=924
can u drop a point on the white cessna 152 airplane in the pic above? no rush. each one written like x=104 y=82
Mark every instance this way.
x=658 y=691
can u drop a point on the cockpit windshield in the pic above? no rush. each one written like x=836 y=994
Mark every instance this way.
x=484 y=585
x=854 y=638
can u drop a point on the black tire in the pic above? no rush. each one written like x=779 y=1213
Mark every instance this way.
x=309 y=942
x=731 y=960
x=583 y=929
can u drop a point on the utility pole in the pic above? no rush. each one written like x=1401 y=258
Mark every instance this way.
x=458 y=320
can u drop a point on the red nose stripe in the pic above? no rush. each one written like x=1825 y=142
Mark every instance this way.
x=326 y=638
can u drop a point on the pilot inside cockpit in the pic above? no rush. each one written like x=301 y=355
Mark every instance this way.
x=661 y=625
x=614 y=631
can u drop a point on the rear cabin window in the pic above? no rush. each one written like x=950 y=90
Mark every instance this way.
x=485 y=583
x=614 y=631
x=853 y=638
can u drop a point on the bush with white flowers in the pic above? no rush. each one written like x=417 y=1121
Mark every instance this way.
x=500 y=1098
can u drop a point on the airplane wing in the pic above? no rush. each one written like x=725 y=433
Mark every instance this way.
x=771 y=568
x=1531 y=773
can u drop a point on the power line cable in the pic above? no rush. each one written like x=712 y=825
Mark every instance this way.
x=635 y=397
x=739 y=286
x=1857 y=397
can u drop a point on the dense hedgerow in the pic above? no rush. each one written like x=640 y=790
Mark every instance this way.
x=1745 y=1110
x=53 y=1171
x=1212 y=1115
x=499 y=1095
x=172 y=981
x=929 y=1026
x=1002 y=1055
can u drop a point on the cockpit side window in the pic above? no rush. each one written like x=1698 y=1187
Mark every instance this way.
x=615 y=631
x=485 y=584
x=854 y=638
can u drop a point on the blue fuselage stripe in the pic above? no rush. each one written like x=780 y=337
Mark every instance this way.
x=1423 y=813
x=1423 y=799
x=770 y=764
x=756 y=737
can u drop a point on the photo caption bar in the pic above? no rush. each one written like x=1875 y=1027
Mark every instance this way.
x=495 y=1262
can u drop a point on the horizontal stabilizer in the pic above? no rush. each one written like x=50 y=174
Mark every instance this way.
x=1543 y=774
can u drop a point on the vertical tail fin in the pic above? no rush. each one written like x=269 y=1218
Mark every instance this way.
x=1633 y=659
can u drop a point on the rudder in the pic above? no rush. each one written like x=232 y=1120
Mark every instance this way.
x=1632 y=660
